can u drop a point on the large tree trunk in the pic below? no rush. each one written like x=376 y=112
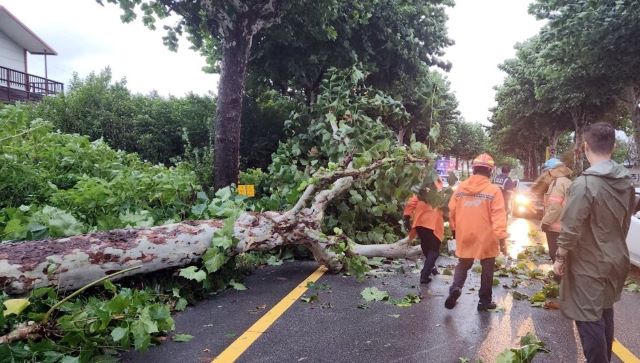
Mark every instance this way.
x=238 y=31
x=226 y=147
x=578 y=118
x=632 y=101
x=72 y=262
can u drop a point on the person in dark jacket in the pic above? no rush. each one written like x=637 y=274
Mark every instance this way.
x=506 y=184
x=592 y=256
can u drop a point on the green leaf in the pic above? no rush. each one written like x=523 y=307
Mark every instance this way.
x=15 y=306
x=274 y=260
x=141 y=337
x=538 y=297
x=118 y=333
x=223 y=242
x=237 y=285
x=311 y=299
x=70 y=359
x=181 y=304
x=434 y=133
x=373 y=294
x=198 y=209
x=108 y=285
x=519 y=296
x=215 y=262
x=193 y=273
x=182 y=338
x=507 y=357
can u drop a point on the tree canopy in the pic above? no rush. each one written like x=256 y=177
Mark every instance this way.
x=576 y=71
x=289 y=46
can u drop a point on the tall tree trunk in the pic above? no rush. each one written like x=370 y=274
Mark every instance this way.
x=632 y=100
x=578 y=118
x=226 y=143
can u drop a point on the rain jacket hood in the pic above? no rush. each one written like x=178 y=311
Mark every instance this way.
x=561 y=171
x=595 y=223
x=475 y=184
x=616 y=173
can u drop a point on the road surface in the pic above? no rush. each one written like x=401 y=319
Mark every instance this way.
x=337 y=325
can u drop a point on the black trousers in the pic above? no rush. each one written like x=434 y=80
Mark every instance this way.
x=552 y=241
x=597 y=337
x=486 y=278
x=430 y=245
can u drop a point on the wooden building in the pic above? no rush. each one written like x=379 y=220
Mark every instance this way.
x=16 y=83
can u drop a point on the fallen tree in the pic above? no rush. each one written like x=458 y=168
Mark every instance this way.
x=73 y=262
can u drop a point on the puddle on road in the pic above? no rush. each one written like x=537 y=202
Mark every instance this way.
x=524 y=233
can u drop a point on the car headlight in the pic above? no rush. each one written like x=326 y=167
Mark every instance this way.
x=522 y=199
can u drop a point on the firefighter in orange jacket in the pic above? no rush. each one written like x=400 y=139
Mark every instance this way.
x=427 y=222
x=478 y=220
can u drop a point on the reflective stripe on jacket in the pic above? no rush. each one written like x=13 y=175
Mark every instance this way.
x=477 y=214
x=554 y=201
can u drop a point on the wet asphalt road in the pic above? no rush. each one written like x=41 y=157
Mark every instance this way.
x=336 y=328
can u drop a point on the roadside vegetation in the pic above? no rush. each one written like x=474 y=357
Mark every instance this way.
x=346 y=104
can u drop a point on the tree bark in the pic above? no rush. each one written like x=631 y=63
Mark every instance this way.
x=633 y=99
x=237 y=34
x=73 y=262
x=235 y=57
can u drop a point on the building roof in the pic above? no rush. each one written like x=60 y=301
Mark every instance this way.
x=23 y=36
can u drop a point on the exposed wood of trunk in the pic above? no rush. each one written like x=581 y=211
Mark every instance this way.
x=73 y=262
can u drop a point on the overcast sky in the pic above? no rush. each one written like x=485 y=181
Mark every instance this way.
x=89 y=37
x=485 y=32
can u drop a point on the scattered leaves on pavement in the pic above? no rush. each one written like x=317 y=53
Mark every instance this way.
x=182 y=338
x=631 y=286
x=374 y=294
x=519 y=296
x=530 y=345
x=237 y=285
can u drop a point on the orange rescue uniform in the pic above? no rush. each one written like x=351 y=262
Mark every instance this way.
x=424 y=215
x=477 y=215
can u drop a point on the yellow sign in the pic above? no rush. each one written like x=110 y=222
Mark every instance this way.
x=247 y=189
x=547 y=153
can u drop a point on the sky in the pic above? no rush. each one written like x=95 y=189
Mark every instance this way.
x=485 y=32
x=89 y=37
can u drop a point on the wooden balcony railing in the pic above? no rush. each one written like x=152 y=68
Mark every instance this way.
x=20 y=86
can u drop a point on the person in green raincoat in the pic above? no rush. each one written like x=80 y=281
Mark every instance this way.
x=592 y=255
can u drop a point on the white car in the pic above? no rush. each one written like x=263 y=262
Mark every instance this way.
x=633 y=237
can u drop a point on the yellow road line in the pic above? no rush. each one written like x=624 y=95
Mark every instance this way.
x=623 y=353
x=235 y=350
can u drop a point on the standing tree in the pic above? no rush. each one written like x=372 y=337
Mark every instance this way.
x=599 y=41
x=392 y=40
x=226 y=28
